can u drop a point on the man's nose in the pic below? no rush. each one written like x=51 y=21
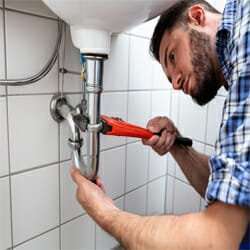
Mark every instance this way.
x=177 y=82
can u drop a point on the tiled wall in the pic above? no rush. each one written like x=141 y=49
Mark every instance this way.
x=37 y=196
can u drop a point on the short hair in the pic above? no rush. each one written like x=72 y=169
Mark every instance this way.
x=174 y=16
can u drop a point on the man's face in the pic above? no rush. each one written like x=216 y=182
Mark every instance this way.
x=186 y=58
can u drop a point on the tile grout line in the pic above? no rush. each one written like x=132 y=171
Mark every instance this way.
x=177 y=123
x=65 y=160
x=30 y=13
x=147 y=183
x=168 y=158
x=105 y=91
x=34 y=237
x=59 y=158
x=165 y=197
x=77 y=93
x=34 y=168
x=126 y=145
x=148 y=162
x=8 y=128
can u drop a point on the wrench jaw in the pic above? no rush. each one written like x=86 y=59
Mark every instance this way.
x=105 y=127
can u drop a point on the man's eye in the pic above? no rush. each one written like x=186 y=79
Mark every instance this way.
x=172 y=56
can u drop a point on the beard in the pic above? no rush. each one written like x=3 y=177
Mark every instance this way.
x=203 y=67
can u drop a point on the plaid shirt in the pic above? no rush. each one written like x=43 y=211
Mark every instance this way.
x=229 y=181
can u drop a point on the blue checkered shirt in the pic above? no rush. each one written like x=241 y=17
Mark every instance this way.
x=229 y=181
x=230 y=166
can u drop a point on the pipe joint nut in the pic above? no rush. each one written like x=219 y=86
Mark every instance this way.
x=93 y=128
x=94 y=88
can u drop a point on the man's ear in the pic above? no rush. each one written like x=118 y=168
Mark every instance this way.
x=196 y=15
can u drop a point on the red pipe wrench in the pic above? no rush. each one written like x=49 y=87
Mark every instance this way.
x=116 y=126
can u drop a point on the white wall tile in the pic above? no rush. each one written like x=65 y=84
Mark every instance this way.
x=35 y=203
x=220 y=5
x=5 y=225
x=161 y=103
x=105 y=241
x=116 y=67
x=178 y=172
x=202 y=204
x=160 y=80
x=171 y=165
x=2 y=63
x=186 y=200
x=137 y=165
x=157 y=164
x=135 y=202
x=170 y=194
x=33 y=132
x=140 y=64
x=175 y=107
x=34 y=6
x=37 y=38
x=209 y=150
x=70 y=208
x=48 y=241
x=222 y=92
x=192 y=119
x=78 y=234
x=72 y=60
x=145 y=29
x=112 y=171
x=113 y=105
x=71 y=83
x=212 y=2
x=156 y=196
x=139 y=108
x=120 y=203
x=4 y=161
x=215 y=109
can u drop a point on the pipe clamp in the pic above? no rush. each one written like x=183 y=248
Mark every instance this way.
x=75 y=144
x=94 y=127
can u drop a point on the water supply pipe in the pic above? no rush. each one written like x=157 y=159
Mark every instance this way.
x=45 y=70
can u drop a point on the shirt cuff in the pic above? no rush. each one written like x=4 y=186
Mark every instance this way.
x=229 y=182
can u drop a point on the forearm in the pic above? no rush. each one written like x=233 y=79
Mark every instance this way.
x=137 y=232
x=194 y=165
x=206 y=230
x=211 y=228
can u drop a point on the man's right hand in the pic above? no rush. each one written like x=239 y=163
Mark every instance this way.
x=161 y=144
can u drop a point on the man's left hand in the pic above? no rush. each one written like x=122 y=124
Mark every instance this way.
x=91 y=196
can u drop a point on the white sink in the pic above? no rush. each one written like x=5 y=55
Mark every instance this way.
x=93 y=21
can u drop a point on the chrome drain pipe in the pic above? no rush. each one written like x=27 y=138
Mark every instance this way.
x=61 y=110
x=85 y=117
x=94 y=87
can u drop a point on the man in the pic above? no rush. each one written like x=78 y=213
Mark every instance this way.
x=199 y=50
